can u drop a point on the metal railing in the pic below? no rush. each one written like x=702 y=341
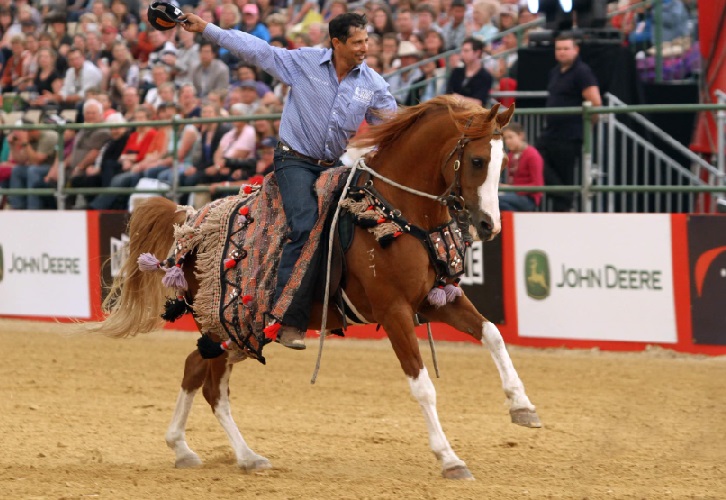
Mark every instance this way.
x=595 y=194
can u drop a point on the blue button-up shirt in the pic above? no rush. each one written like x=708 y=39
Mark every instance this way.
x=321 y=114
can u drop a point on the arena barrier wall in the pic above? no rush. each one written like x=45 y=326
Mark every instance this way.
x=608 y=281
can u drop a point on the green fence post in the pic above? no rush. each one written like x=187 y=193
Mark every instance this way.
x=60 y=196
x=586 y=170
x=174 y=162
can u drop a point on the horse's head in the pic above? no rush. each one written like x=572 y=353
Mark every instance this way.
x=481 y=165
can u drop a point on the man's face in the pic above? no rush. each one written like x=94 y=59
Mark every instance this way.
x=425 y=20
x=468 y=54
x=131 y=98
x=404 y=23
x=92 y=114
x=251 y=18
x=206 y=55
x=354 y=50
x=75 y=60
x=457 y=13
x=248 y=95
x=566 y=52
x=186 y=96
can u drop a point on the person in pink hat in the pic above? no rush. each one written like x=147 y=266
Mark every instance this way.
x=252 y=24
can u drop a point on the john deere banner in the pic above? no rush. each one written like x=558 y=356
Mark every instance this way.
x=595 y=277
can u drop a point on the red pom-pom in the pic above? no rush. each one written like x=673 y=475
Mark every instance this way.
x=381 y=220
x=247 y=189
x=272 y=330
x=244 y=210
x=246 y=299
x=256 y=180
x=229 y=263
x=397 y=234
x=370 y=207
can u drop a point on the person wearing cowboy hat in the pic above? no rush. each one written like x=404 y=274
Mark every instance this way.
x=408 y=55
x=333 y=91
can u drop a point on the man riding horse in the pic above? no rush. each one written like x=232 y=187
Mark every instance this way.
x=332 y=92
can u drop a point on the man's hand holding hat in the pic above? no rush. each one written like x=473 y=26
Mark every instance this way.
x=193 y=23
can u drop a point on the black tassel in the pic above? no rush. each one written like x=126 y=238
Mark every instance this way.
x=208 y=348
x=366 y=223
x=175 y=309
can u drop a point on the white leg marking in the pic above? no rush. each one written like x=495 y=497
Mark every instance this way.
x=175 y=438
x=489 y=191
x=423 y=390
x=512 y=385
x=246 y=458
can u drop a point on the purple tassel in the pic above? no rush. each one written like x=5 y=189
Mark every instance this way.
x=174 y=278
x=147 y=262
x=452 y=291
x=437 y=297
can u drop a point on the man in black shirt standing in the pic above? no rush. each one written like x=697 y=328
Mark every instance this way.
x=570 y=83
x=472 y=82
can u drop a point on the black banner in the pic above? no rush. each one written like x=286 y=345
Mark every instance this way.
x=114 y=246
x=707 y=267
x=483 y=280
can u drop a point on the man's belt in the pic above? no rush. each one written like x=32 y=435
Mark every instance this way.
x=320 y=163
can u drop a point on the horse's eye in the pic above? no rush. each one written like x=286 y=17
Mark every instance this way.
x=477 y=162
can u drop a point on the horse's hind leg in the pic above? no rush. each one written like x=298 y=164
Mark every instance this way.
x=195 y=371
x=216 y=392
x=463 y=316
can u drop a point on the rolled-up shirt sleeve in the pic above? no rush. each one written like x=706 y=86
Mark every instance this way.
x=276 y=61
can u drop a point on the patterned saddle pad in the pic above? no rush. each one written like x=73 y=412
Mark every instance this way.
x=238 y=242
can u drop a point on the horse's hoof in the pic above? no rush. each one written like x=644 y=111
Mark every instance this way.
x=458 y=472
x=187 y=462
x=258 y=464
x=525 y=418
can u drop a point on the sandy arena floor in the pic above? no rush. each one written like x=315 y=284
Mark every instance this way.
x=84 y=417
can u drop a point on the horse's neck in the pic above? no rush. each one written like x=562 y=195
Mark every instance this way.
x=417 y=165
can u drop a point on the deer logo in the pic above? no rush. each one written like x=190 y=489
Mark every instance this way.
x=537 y=274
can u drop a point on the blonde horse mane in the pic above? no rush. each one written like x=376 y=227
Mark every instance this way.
x=136 y=299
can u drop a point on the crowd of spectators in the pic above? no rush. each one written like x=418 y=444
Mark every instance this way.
x=99 y=61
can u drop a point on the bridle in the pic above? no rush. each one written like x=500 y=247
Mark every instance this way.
x=452 y=197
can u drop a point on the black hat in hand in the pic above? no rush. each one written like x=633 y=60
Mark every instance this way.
x=164 y=16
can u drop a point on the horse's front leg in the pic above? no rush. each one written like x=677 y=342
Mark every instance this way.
x=216 y=392
x=463 y=316
x=399 y=327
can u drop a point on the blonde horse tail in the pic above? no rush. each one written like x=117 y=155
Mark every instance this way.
x=136 y=300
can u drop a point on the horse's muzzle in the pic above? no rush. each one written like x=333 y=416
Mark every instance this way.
x=485 y=226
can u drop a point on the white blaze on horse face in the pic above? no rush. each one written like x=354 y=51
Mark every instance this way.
x=489 y=191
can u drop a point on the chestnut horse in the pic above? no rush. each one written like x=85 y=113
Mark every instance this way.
x=431 y=158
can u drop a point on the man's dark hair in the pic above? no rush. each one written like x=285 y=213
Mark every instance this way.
x=207 y=43
x=340 y=26
x=568 y=35
x=476 y=44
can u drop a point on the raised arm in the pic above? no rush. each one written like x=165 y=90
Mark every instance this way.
x=278 y=62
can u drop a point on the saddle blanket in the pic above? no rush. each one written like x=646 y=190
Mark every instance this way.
x=238 y=243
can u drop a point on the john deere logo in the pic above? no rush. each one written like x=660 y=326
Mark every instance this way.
x=2 y=264
x=537 y=272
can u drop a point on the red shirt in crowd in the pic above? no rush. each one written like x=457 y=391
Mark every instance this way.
x=526 y=169
x=139 y=146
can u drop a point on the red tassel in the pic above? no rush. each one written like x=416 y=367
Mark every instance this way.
x=229 y=263
x=244 y=210
x=247 y=189
x=272 y=330
x=370 y=207
x=246 y=299
x=397 y=234
x=381 y=220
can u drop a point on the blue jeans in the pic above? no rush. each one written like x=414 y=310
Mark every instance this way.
x=296 y=179
x=29 y=176
x=110 y=201
x=513 y=202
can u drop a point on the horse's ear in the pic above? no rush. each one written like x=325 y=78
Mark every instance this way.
x=504 y=118
x=493 y=112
